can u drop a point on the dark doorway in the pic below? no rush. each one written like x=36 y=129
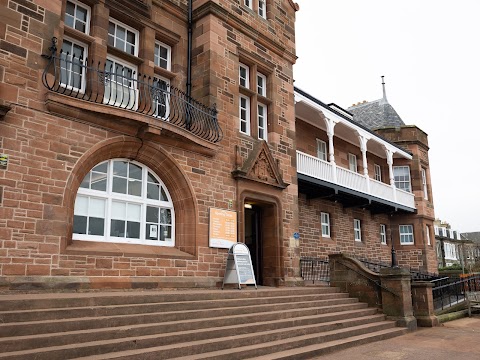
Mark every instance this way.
x=253 y=240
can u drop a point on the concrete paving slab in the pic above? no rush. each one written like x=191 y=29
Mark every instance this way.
x=454 y=340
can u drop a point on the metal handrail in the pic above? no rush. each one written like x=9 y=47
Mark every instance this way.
x=447 y=295
x=122 y=87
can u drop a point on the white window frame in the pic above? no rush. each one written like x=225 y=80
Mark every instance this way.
x=262 y=121
x=406 y=234
x=352 y=162
x=262 y=8
x=244 y=81
x=75 y=19
x=116 y=38
x=165 y=99
x=427 y=229
x=325 y=223
x=383 y=234
x=357 y=229
x=244 y=120
x=143 y=201
x=424 y=183
x=401 y=181
x=378 y=172
x=248 y=3
x=321 y=150
x=157 y=58
x=67 y=85
x=262 y=90
x=112 y=100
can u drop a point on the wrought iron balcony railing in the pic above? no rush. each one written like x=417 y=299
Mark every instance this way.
x=122 y=87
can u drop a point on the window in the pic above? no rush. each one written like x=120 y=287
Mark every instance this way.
x=248 y=3
x=161 y=97
x=383 y=234
x=162 y=55
x=427 y=229
x=352 y=162
x=378 y=172
x=325 y=219
x=406 y=234
x=123 y=201
x=244 y=75
x=77 y=16
x=72 y=71
x=262 y=121
x=244 y=114
x=424 y=183
x=261 y=85
x=357 y=230
x=262 y=9
x=402 y=178
x=120 y=85
x=321 y=150
x=123 y=37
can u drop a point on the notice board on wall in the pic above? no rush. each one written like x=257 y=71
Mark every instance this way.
x=222 y=231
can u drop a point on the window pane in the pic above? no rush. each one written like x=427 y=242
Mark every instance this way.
x=86 y=182
x=118 y=210
x=117 y=228
x=135 y=171
x=165 y=216
x=79 y=224
x=152 y=214
x=153 y=191
x=134 y=212
x=163 y=196
x=70 y=10
x=119 y=185
x=96 y=226
x=97 y=208
x=165 y=233
x=81 y=206
x=120 y=168
x=151 y=232
x=135 y=188
x=99 y=181
x=103 y=167
x=81 y=14
x=152 y=178
x=133 y=230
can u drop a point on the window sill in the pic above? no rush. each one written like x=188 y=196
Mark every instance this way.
x=79 y=247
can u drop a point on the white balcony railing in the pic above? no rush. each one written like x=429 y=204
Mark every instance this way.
x=322 y=170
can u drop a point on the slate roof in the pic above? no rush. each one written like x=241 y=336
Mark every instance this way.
x=376 y=114
x=474 y=236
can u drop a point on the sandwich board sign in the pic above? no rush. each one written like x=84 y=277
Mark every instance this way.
x=239 y=268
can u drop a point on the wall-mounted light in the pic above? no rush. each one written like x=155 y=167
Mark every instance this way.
x=248 y=206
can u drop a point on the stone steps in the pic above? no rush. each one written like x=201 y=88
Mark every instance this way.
x=193 y=324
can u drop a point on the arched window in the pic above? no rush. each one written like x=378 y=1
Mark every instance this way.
x=123 y=201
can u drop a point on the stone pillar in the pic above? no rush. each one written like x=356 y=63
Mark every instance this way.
x=423 y=308
x=397 y=300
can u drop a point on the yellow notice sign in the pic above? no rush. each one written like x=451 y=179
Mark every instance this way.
x=223 y=228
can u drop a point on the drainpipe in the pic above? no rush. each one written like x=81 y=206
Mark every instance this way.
x=189 y=50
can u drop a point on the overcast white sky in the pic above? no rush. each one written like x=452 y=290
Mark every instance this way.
x=429 y=53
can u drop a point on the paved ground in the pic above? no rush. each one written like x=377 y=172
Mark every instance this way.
x=454 y=340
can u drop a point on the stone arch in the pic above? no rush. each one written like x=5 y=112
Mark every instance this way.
x=159 y=161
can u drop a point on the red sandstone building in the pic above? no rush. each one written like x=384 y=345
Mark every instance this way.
x=120 y=136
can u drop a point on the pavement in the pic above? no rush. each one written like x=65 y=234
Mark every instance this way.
x=454 y=340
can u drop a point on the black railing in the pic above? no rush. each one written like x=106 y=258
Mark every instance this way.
x=313 y=269
x=120 y=86
x=448 y=295
x=417 y=275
